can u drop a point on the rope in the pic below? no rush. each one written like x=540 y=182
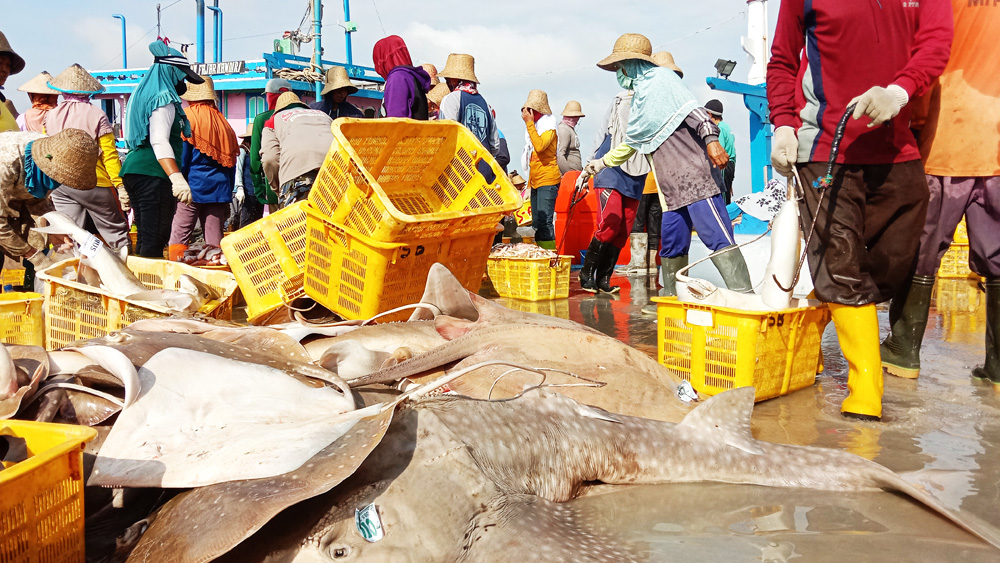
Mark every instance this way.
x=302 y=75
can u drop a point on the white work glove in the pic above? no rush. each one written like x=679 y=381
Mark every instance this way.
x=180 y=188
x=880 y=104
x=594 y=166
x=240 y=195
x=123 y=200
x=784 y=150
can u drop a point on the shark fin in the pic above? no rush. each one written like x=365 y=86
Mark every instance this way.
x=116 y=364
x=599 y=414
x=726 y=418
x=451 y=328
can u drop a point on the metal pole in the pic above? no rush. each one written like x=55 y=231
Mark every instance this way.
x=347 y=32
x=124 y=48
x=317 y=41
x=200 y=30
x=217 y=32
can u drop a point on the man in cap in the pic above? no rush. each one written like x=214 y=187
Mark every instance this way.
x=42 y=100
x=294 y=146
x=465 y=104
x=568 y=148
x=728 y=141
x=10 y=63
x=261 y=188
x=335 y=92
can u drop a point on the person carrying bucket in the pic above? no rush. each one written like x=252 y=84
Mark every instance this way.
x=865 y=231
x=682 y=144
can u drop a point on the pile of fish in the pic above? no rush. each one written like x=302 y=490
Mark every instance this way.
x=520 y=250
x=461 y=435
x=204 y=255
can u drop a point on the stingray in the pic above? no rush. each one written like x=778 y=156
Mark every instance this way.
x=22 y=369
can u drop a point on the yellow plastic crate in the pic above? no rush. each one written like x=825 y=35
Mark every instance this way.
x=961 y=233
x=402 y=181
x=358 y=278
x=12 y=277
x=531 y=279
x=41 y=498
x=717 y=348
x=21 y=319
x=955 y=262
x=76 y=311
x=268 y=259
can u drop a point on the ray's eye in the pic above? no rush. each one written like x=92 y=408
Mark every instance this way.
x=339 y=551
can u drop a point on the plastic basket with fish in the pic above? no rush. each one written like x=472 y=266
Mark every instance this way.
x=268 y=257
x=531 y=279
x=717 y=348
x=955 y=262
x=403 y=181
x=77 y=311
x=12 y=277
x=41 y=498
x=21 y=319
x=358 y=278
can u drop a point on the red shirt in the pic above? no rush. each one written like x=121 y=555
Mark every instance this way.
x=826 y=52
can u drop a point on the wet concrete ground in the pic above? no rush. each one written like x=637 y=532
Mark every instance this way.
x=944 y=425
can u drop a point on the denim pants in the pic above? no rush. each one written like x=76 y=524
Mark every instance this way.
x=543 y=211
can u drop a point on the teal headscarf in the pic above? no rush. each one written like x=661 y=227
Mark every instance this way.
x=35 y=181
x=157 y=89
x=660 y=103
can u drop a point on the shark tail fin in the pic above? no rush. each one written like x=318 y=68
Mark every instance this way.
x=726 y=418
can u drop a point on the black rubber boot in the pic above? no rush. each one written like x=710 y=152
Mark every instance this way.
x=590 y=259
x=907 y=321
x=990 y=371
x=606 y=262
x=733 y=269
x=670 y=267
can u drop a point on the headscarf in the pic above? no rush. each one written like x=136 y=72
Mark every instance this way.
x=157 y=89
x=212 y=134
x=34 y=118
x=35 y=181
x=389 y=53
x=659 y=104
x=76 y=112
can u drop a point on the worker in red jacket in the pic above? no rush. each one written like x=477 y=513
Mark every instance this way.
x=874 y=54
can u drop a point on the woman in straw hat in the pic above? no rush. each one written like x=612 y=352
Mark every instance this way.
x=568 y=150
x=465 y=104
x=543 y=168
x=294 y=146
x=209 y=164
x=434 y=99
x=335 y=92
x=42 y=99
x=10 y=63
x=154 y=124
x=406 y=86
x=100 y=204
x=666 y=123
x=31 y=166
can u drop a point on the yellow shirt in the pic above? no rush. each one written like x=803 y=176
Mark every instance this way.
x=7 y=120
x=109 y=166
x=544 y=168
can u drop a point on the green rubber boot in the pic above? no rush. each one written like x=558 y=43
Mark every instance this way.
x=546 y=244
x=670 y=267
x=733 y=269
x=990 y=371
x=907 y=321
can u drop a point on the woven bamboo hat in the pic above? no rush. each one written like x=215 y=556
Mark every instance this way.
x=287 y=99
x=666 y=60
x=573 y=109
x=460 y=67
x=628 y=46
x=516 y=179
x=68 y=157
x=538 y=101
x=249 y=132
x=336 y=78
x=204 y=92
x=438 y=92
x=16 y=62
x=39 y=85
x=76 y=80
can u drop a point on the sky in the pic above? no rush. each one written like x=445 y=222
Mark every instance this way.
x=519 y=45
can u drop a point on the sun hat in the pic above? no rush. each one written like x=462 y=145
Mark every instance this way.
x=538 y=101
x=275 y=85
x=76 y=80
x=37 y=85
x=516 y=179
x=460 y=67
x=628 y=46
x=714 y=108
x=204 y=92
x=287 y=99
x=336 y=78
x=666 y=60
x=573 y=109
x=178 y=60
x=438 y=92
x=16 y=62
x=249 y=132
x=68 y=157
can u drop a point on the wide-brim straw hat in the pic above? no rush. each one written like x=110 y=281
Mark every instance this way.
x=204 y=92
x=666 y=60
x=516 y=179
x=628 y=46
x=16 y=62
x=336 y=78
x=460 y=67
x=538 y=100
x=438 y=92
x=68 y=157
x=249 y=132
x=573 y=109
x=287 y=99
x=39 y=85
x=76 y=80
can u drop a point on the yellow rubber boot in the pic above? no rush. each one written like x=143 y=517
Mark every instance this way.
x=857 y=330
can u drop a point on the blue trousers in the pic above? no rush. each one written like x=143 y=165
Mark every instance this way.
x=708 y=217
x=543 y=211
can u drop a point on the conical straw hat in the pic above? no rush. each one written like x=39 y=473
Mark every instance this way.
x=628 y=46
x=38 y=85
x=336 y=78
x=538 y=101
x=286 y=99
x=68 y=157
x=204 y=92
x=666 y=60
x=16 y=62
x=76 y=80
x=438 y=92
x=573 y=109
x=460 y=67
